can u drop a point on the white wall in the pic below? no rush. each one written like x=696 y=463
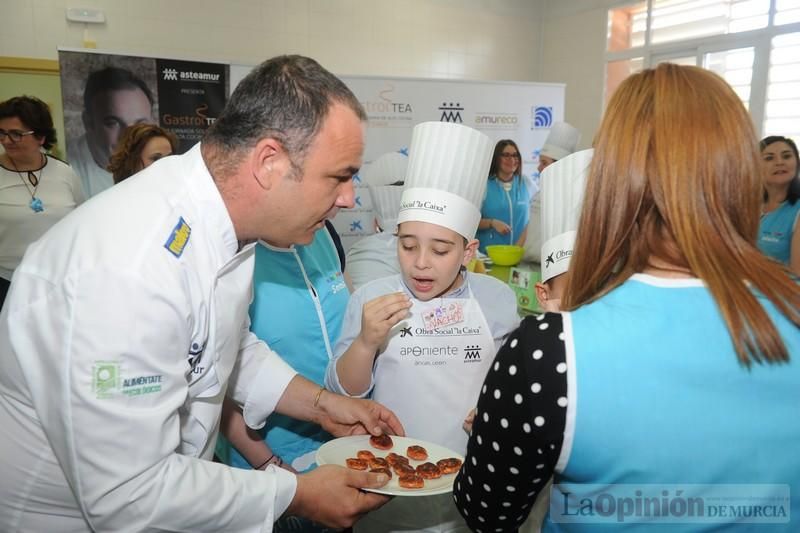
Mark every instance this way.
x=559 y=41
x=573 y=52
x=473 y=39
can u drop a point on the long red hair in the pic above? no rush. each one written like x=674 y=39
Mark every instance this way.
x=676 y=177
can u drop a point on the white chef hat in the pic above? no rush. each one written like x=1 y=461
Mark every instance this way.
x=448 y=165
x=563 y=184
x=379 y=176
x=561 y=141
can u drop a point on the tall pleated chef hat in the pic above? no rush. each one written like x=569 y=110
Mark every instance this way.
x=382 y=177
x=561 y=141
x=448 y=166
x=563 y=184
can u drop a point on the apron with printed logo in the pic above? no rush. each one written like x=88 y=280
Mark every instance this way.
x=430 y=375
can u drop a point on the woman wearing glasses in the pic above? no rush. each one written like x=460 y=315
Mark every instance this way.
x=36 y=189
x=506 y=206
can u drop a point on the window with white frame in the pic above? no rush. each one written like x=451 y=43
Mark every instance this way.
x=736 y=67
x=782 y=110
x=787 y=12
x=753 y=44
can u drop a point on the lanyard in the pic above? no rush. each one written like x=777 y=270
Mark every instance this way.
x=35 y=204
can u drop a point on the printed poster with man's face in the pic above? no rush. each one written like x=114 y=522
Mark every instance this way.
x=103 y=94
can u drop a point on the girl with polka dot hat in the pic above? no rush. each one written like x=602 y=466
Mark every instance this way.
x=672 y=377
x=422 y=341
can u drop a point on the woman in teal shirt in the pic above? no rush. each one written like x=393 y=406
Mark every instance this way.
x=777 y=235
x=506 y=206
x=299 y=299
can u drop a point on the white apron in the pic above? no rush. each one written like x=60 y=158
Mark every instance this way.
x=431 y=377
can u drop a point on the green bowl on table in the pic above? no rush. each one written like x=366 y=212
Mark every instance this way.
x=505 y=254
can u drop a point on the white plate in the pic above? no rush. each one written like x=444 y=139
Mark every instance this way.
x=337 y=451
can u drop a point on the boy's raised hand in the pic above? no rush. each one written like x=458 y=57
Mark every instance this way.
x=380 y=315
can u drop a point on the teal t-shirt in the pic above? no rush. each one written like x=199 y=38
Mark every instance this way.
x=298 y=305
x=776 y=229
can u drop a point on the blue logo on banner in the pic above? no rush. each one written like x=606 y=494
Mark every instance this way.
x=356 y=226
x=356 y=178
x=358 y=201
x=451 y=112
x=542 y=117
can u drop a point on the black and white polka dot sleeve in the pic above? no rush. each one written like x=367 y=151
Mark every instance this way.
x=518 y=430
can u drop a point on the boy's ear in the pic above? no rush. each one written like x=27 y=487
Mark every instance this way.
x=542 y=294
x=469 y=251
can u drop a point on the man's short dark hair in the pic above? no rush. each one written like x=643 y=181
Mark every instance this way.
x=286 y=98
x=113 y=79
x=35 y=114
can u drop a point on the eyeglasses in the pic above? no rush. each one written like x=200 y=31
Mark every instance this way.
x=15 y=135
x=510 y=156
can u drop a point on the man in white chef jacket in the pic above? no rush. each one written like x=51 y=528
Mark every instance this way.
x=126 y=325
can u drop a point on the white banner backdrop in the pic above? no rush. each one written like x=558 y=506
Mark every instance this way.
x=519 y=111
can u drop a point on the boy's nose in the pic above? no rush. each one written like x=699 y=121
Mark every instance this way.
x=421 y=261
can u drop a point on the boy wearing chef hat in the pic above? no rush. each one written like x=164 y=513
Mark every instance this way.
x=375 y=256
x=563 y=185
x=422 y=342
x=561 y=141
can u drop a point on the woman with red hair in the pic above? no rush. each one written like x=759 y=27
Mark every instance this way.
x=673 y=375
x=140 y=146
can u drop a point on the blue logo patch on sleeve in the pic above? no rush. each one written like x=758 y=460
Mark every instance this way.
x=178 y=238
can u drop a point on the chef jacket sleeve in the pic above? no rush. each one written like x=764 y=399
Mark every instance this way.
x=103 y=354
x=503 y=315
x=499 y=305
x=259 y=379
x=351 y=327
